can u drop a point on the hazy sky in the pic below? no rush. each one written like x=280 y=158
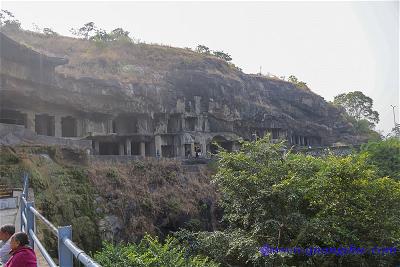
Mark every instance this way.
x=335 y=47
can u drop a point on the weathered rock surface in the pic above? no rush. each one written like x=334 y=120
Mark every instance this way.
x=150 y=79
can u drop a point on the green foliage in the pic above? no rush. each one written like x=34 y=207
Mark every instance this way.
x=148 y=253
x=293 y=79
x=358 y=106
x=222 y=55
x=286 y=200
x=62 y=194
x=90 y=31
x=364 y=128
x=49 y=32
x=86 y=31
x=203 y=49
x=7 y=19
x=396 y=131
x=385 y=155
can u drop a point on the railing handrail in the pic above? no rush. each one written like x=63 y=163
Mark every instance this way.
x=67 y=249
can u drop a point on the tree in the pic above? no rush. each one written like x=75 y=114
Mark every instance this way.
x=385 y=155
x=293 y=79
x=222 y=55
x=358 y=106
x=49 y=32
x=119 y=34
x=287 y=200
x=7 y=19
x=203 y=49
x=85 y=31
x=396 y=131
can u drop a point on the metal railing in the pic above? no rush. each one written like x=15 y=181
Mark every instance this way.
x=66 y=248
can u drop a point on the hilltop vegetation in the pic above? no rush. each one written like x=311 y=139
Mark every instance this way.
x=121 y=59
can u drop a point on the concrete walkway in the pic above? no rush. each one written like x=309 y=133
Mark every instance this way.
x=10 y=216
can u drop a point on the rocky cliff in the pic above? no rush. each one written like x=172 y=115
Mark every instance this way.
x=123 y=77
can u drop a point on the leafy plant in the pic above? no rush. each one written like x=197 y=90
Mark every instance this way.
x=287 y=200
x=150 y=252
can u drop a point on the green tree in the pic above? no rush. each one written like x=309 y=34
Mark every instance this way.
x=49 y=32
x=150 y=252
x=87 y=30
x=222 y=55
x=203 y=49
x=7 y=19
x=287 y=200
x=358 y=106
x=385 y=155
x=396 y=131
x=119 y=34
x=293 y=79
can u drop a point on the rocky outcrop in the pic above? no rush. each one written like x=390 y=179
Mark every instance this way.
x=117 y=79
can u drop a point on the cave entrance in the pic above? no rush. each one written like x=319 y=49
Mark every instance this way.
x=125 y=124
x=69 y=127
x=44 y=124
x=135 y=148
x=167 y=151
x=174 y=124
x=221 y=141
x=9 y=116
x=108 y=148
x=188 y=150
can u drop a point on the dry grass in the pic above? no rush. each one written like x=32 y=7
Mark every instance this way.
x=152 y=196
x=123 y=61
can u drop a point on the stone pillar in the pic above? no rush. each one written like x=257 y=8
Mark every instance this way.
x=183 y=122
x=197 y=104
x=203 y=147
x=57 y=126
x=121 y=149
x=79 y=128
x=143 y=149
x=192 y=152
x=96 y=147
x=30 y=121
x=157 y=141
x=128 y=147
x=109 y=124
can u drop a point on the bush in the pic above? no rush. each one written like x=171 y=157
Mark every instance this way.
x=287 y=200
x=148 y=253
x=385 y=155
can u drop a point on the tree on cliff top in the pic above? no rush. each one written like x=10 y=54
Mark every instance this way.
x=7 y=19
x=358 y=106
x=222 y=55
x=293 y=79
x=203 y=49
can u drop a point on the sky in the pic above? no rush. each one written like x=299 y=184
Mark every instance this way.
x=335 y=47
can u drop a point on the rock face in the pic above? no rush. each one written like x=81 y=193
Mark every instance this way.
x=136 y=99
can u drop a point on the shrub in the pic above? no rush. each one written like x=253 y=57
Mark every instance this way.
x=150 y=252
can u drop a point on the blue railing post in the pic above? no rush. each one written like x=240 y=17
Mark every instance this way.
x=22 y=212
x=30 y=221
x=26 y=186
x=65 y=256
